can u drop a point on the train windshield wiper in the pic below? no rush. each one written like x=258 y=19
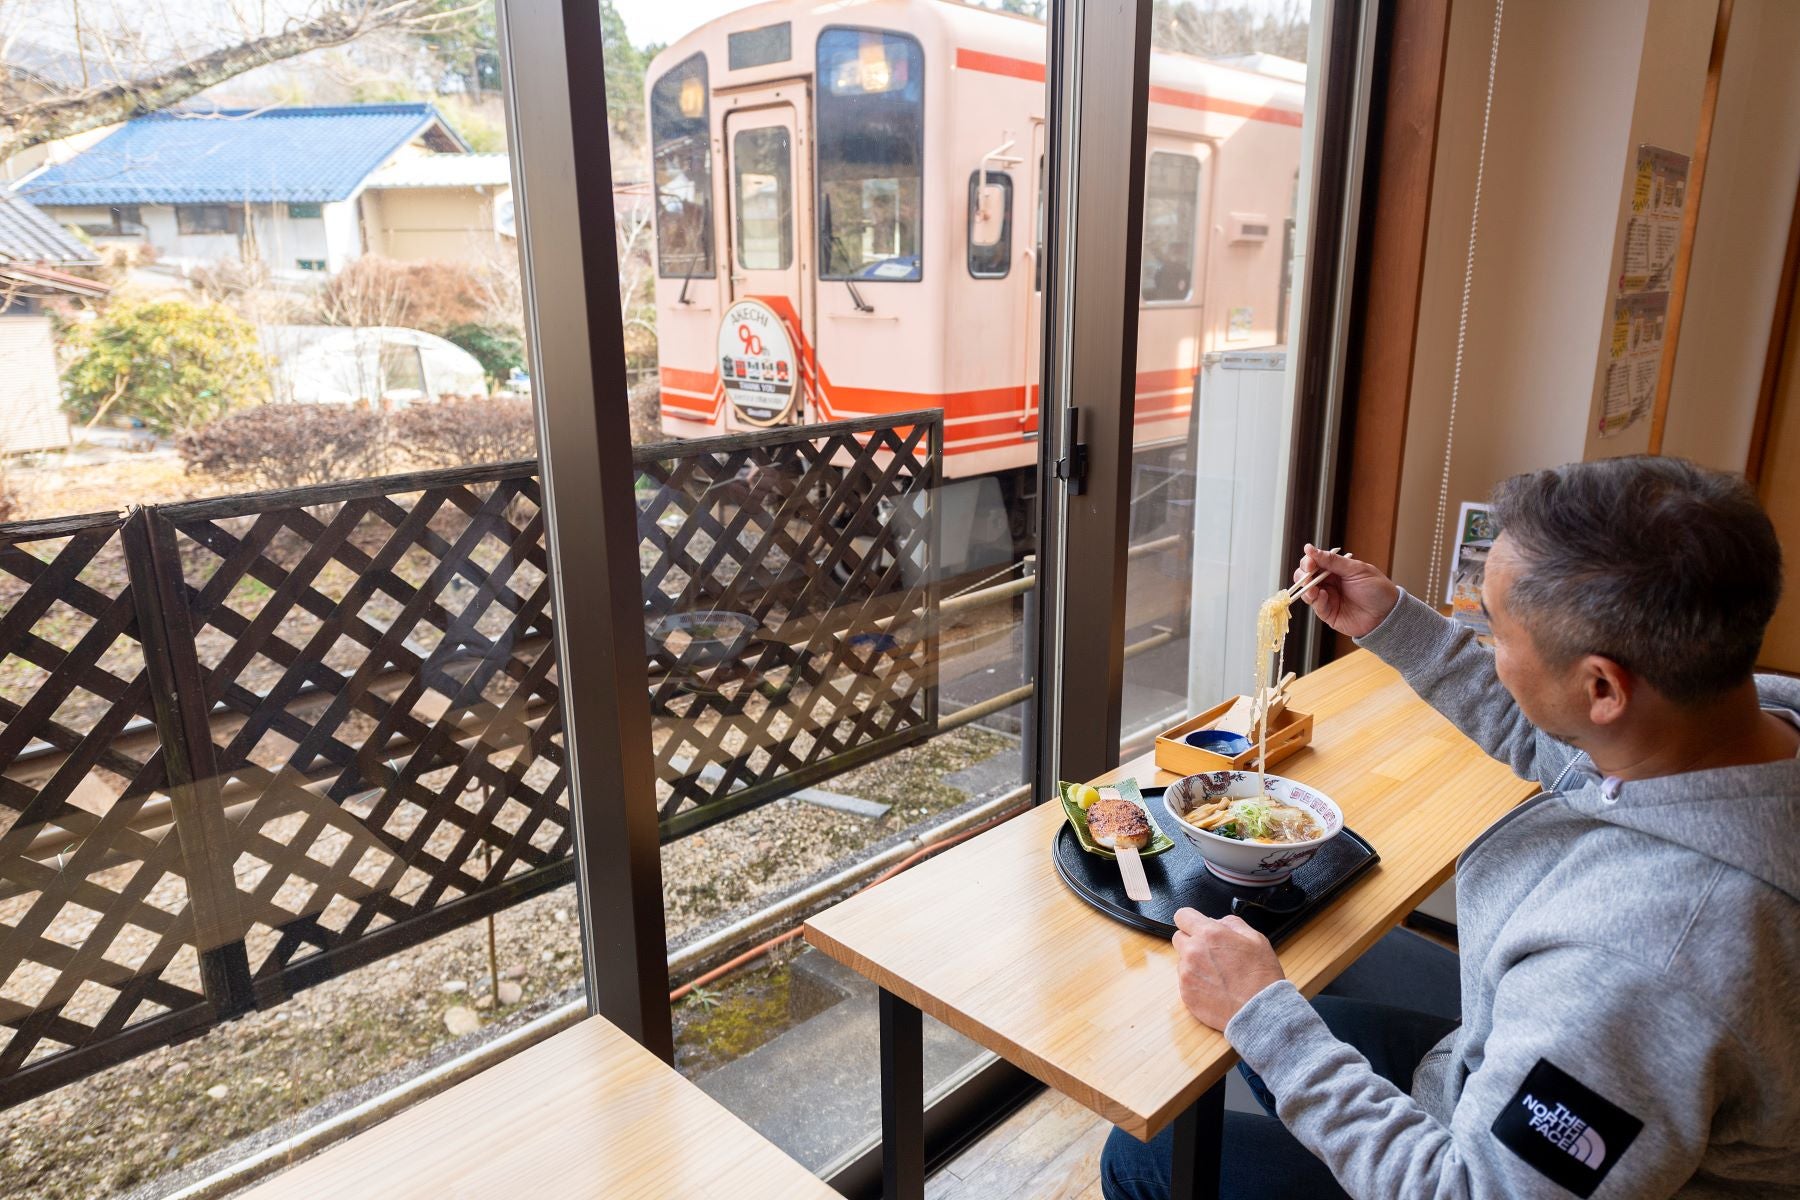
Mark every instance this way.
x=862 y=305
x=693 y=261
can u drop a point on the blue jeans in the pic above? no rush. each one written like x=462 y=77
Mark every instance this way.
x=1376 y=1006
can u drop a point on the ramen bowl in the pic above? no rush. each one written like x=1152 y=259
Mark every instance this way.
x=1250 y=864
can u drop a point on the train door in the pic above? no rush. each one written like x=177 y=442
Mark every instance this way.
x=1172 y=283
x=1036 y=173
x=767 y=187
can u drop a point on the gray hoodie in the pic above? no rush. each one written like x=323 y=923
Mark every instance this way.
x=1630 y=980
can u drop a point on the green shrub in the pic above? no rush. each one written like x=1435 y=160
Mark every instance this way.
x=172 y=364
x=497 y=348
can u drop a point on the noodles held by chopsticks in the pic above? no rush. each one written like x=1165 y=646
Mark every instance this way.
x=1271 y=644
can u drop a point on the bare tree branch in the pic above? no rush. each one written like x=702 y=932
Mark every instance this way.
x=32 y=122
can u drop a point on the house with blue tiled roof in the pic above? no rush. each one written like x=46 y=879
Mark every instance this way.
x=305 y=190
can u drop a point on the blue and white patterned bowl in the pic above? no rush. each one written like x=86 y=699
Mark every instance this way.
x=1249 y=864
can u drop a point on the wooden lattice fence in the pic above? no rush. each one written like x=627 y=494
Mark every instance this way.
x=248 y=744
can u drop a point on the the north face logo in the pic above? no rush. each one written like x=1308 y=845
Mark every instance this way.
x=1566 y=1131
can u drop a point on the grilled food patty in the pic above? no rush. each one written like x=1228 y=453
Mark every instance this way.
x=1118 y=823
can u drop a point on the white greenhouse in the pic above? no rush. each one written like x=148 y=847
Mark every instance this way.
x=332 y=364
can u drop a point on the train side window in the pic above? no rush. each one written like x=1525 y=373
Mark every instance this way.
x=681 y=157
x=1171 y=206
x=761 y=163
x=871 y=154
x=990 y=224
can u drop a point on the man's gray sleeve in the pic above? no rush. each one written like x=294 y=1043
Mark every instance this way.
x=1454 y=673
x=1598 y=1080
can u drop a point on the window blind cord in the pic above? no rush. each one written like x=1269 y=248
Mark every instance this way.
x=1438 y=569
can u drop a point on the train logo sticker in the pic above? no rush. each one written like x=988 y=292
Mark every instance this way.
x=757 y=364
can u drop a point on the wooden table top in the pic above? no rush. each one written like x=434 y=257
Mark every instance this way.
x=586 y=1113
x=986 y=938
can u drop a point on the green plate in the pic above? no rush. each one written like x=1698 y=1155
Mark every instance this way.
x=1128 y=788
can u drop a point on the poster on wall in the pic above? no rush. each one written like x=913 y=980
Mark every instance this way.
x=1634 y=356
x=1651 y=240
x=1661 y=184
x=1474 y=536
x=1641 y=304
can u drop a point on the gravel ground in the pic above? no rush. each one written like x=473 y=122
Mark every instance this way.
x=125 y=1127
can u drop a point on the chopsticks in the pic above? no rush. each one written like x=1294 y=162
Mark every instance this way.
x=1306 y=585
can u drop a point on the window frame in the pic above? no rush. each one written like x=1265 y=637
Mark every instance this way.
x=709 y=266
x=823 y=256
x=1006 y=225
x=317 y=213
x=588 y=473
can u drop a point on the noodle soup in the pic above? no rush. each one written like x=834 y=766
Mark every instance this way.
x=1252 y=836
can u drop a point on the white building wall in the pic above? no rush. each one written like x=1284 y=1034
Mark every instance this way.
x=343 y=233
x=31 y=416
x=189 y=249
x=283 y=241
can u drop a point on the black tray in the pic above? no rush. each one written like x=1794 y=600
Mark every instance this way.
x=1179 y=879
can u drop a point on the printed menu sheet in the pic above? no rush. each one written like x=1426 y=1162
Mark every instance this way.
x=1641 y=304
x=1633 y=360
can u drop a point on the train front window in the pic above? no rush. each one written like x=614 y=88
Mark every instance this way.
x=1171 y=206
x=682 y=163
x=762 y=170
x=871 y=147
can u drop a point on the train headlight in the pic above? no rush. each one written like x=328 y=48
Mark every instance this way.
x=693 y=97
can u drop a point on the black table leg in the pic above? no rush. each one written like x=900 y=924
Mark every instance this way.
x=1199 y=1138
x=903 y=1100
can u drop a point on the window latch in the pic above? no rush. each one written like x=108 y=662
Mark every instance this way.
x=1072 y=467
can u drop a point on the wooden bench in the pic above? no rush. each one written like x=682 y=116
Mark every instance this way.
x=586 y=1113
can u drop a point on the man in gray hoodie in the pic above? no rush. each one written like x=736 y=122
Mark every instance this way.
x=1630 y=938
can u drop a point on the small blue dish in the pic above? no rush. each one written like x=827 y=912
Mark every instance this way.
x=1230 y=745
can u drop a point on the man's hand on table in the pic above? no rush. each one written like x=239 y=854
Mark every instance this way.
x=1220 y=965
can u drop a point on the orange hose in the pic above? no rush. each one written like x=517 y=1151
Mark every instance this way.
x=757 y=951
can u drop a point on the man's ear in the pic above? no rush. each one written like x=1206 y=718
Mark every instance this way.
x=1609 y=688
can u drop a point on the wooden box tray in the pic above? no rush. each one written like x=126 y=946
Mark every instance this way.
x=1288 y=732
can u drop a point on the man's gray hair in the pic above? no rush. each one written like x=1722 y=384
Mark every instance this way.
x=1669 y=569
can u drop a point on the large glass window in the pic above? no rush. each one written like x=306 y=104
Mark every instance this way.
x=763 y=175
x=1214 y=382
x=682 y=163
x=1171 y=205
x=871 y=137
